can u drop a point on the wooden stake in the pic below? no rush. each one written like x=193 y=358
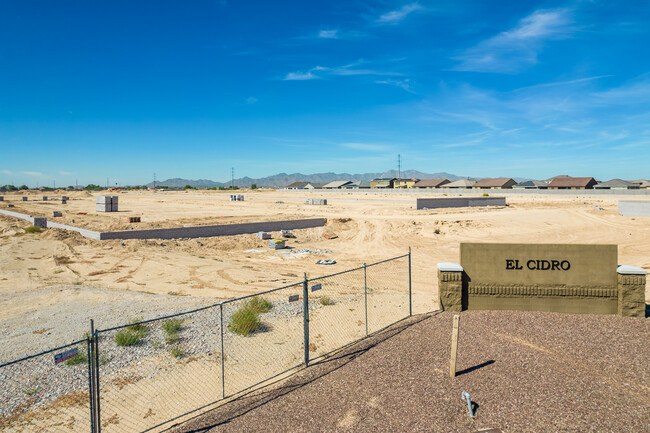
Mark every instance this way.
x=454 y=346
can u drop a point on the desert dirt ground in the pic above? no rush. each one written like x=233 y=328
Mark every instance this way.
x=53 y=282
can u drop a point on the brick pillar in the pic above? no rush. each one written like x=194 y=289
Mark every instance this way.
x=450 y=286
x=631 y=291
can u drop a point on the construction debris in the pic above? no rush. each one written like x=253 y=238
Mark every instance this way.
x=134 y=219
x=236 y=197
x=25 y=199
x=263 y=235
x=106 y=203
x=316 y=201
x=40 y=222
x=44 y=198
x=276 y=244
x=287 y=234
x=326 y=262
x=329 y=236
x=57 y=213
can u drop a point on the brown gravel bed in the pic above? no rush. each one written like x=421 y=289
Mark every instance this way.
x=526 y=371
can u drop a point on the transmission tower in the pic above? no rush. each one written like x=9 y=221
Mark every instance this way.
x=399 y=166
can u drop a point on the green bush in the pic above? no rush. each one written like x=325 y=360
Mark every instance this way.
x=177 y=351
x=33 y=229
x=485 y=194
x=137 y=327
x=245 y=321
x=325 y=300
x=172 y=338
x=259 y=305
x=127 y=337
x=172 y=326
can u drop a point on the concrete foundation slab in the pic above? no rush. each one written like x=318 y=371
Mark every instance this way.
x=447 y=202
x=634 y=208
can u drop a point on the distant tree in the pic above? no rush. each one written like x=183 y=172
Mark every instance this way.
x=70 y=187
x=188 y=187
x=10 y=188
x=23 y=187
x=254 y=186
x=92 y=186
x=222 y=188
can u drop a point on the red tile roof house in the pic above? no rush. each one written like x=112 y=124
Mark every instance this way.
x=572 y=183
x=496 y=183
x=431 y=183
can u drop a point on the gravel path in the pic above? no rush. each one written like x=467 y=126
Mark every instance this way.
x=527 y=372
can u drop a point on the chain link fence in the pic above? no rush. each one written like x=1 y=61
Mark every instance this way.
x=141 y=376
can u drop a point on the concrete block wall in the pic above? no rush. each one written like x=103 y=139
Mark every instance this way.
x=40 y=222
x=634 y=208
x=447 y=202
x=90 y=234
x=219 y=230
x=316 y=201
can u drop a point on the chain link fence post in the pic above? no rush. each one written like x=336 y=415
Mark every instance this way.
x=91 y=376
x=365 y=294
x=410 y=297
x=223 y=356
x=305 y=317
x=98 y=423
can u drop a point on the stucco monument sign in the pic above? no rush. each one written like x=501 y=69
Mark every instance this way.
x=568 y=278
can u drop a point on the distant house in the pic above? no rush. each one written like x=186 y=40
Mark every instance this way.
x=461 y=184
x=382 y=182
x=431 y=183
x=531 y=184
x=616 y=184
x=643 y=183
x=360 y=184
x=567 y=182
x=304 y=185
x=337 y=184
x=495 y=183
x=405 y=182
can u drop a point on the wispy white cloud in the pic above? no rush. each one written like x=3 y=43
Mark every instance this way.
x=402 y=84
x=9 y=172
x=65 y=173
x=633 y=92
x=33 y=173
x=563 y=83
x=300 y=76
x=368 y=147
x=251 y=100
x=328 y=34
x=396 y=16
x=511 y=50
x=344 y=70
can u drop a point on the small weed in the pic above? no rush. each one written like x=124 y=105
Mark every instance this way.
x=485 y=194
x=33 y=388
x=137 y=327
x=126 y=337
x=245 y=321
x=259 y=305
x=437 y=231
x=58 y=271
x=62 y=260
x=312 y=347
x=172 y=326
x=325 y=300
x=82 y=358
x=42 y=331
x=177 y=351
x=172 y=338
x=33 y=229
x=77 y=283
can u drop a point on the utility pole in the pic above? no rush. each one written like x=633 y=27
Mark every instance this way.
x=154 y=181
x=399 y=166
x=232 y=178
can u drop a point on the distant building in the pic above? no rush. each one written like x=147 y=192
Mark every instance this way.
x=360 y=184
x=495 y=183
x=616 y=184
x=567 y=182
x=431 y=183
x=531 y=184
x=382 y=182
x=461 y=184
x=405 y=182
x=297 y=185
x=643 y=183
x=337 y=184
x=304 y=185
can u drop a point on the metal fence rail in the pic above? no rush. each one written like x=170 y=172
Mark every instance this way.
x=141 y=376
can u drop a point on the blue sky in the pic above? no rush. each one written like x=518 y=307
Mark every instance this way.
x=123 y=89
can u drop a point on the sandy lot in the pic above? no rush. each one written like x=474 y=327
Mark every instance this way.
x=40 y=271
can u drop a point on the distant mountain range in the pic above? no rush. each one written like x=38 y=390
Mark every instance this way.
x=284 y=179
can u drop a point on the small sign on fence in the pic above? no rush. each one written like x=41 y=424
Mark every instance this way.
x=64 y=356
x=316 y=287
x=294 y=298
